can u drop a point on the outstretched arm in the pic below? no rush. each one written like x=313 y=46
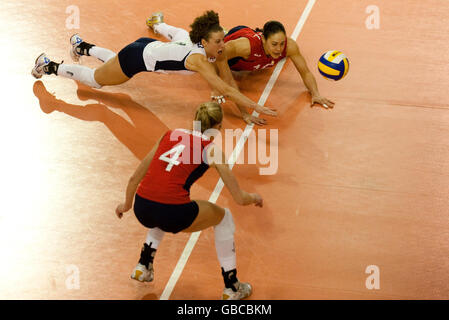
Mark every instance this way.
x=217 y=160
x=198 y=63
x=225 y=73
x=135 y=180
x=307 y=77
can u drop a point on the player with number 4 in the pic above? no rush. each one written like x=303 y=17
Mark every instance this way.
x=160 y=188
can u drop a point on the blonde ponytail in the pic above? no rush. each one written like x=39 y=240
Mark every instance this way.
x=209 y=114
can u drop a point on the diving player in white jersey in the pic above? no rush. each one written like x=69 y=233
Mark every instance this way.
x=186 y=53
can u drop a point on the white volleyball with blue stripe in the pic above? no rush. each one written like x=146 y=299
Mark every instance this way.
x=333 y=65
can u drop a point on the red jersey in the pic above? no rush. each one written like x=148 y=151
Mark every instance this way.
x=257 y=59
x=176 y=165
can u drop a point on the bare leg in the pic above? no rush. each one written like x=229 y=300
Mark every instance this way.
x=209 y=215
x=110 y=73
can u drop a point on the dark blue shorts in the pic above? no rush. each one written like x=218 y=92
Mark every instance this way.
x=235 y=29
x=131 y=57
x=167 y=217
x=234 y=60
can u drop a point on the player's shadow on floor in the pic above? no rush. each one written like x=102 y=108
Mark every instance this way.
x=139 y=135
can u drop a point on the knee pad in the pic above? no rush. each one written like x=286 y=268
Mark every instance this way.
x=225 y=229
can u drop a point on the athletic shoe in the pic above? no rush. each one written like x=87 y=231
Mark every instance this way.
x=243 y=290
x=41 y=62
x=156 y=18
x=142 y=273
x=75 y=40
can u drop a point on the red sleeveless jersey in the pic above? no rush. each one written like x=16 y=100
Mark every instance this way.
x=176 y=165
x=257 y=59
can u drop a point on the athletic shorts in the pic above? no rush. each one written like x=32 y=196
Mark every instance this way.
x=234 y=60
x=131 y=57
x=167 y=217
x=235 y=29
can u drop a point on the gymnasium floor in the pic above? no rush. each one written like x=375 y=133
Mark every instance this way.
x=364 y=184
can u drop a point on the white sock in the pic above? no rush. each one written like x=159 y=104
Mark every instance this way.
x=154 y=237
x=224 y=242
x=172 y=33
x=78 y=72
x=102 y=53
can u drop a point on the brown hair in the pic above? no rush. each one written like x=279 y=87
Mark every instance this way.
x=202 y=26
x=209 y=114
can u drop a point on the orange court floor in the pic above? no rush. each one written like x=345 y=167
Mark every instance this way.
x=363 y=184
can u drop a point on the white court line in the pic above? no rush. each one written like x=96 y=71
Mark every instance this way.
x=238 y=148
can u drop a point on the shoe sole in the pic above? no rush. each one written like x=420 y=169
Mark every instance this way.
x=34 y=72
x=36 y=75
x=42 y=54
x=75 y=57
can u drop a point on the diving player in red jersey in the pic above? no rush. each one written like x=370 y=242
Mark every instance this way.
x=251 y=50
x=246 y=49
x=161 y=191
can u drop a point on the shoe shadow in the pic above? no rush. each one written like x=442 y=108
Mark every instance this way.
x=139 y=135
x=150 y=296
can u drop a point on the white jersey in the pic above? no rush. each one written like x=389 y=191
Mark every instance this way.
x=170 y=57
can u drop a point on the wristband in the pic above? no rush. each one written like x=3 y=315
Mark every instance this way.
x=218 y=99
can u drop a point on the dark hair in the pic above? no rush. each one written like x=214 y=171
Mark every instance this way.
x=202 y=26
x=271 y=27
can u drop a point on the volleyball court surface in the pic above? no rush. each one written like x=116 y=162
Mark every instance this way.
x=365 y=184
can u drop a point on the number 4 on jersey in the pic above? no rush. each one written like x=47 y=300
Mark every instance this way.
x=175 y=152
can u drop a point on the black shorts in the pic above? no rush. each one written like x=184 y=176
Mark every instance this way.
x=167 y=217
x=131 y=57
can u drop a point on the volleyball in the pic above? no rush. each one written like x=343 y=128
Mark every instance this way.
x=333 y=65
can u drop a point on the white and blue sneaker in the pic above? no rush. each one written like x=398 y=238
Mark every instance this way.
x=38 y=70
x=142 y=273
x=75 y=41
x=243 y=291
